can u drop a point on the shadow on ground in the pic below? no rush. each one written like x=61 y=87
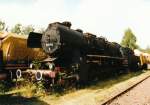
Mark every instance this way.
x=19 y=100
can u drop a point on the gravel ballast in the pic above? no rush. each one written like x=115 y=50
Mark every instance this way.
x=139 y=95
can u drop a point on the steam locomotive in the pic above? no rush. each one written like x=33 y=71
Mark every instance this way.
x=77 y=56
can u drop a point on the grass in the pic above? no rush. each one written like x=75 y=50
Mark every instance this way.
x=26 y=93
x=107 y=83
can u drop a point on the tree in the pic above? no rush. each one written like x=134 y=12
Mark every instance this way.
x=2 y=25
x=129 y=39
x=26 y=30
x=17 y=29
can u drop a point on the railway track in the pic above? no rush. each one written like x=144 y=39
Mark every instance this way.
x=110 y=99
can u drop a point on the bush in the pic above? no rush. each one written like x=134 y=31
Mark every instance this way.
x=4 y=87
x=30 y=89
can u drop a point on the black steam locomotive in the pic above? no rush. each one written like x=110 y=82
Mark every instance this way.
x=83 y=57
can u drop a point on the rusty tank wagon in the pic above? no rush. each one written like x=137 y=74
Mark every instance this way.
x=15 y=55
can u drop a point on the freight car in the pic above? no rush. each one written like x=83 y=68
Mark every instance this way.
x=144 y=59
x=83 y=57
x=15 y=56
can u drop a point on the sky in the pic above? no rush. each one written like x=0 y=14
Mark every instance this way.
x=108 y=18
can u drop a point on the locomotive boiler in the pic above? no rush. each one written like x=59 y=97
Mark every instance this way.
x=59 y=36
x=78 y=55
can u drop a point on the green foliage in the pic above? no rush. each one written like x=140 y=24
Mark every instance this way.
x=2 y=25
x=4 y=87
x=40 y=88
x=36 y=64
x=27 y=29
x=17 y=29
x=129 y=40
x=30 y=89
x=25 y=89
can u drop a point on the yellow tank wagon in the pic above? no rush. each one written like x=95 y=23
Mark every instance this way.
x=144 y=59
x=14 y=53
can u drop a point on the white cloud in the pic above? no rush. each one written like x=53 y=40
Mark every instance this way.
x=102 y=17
